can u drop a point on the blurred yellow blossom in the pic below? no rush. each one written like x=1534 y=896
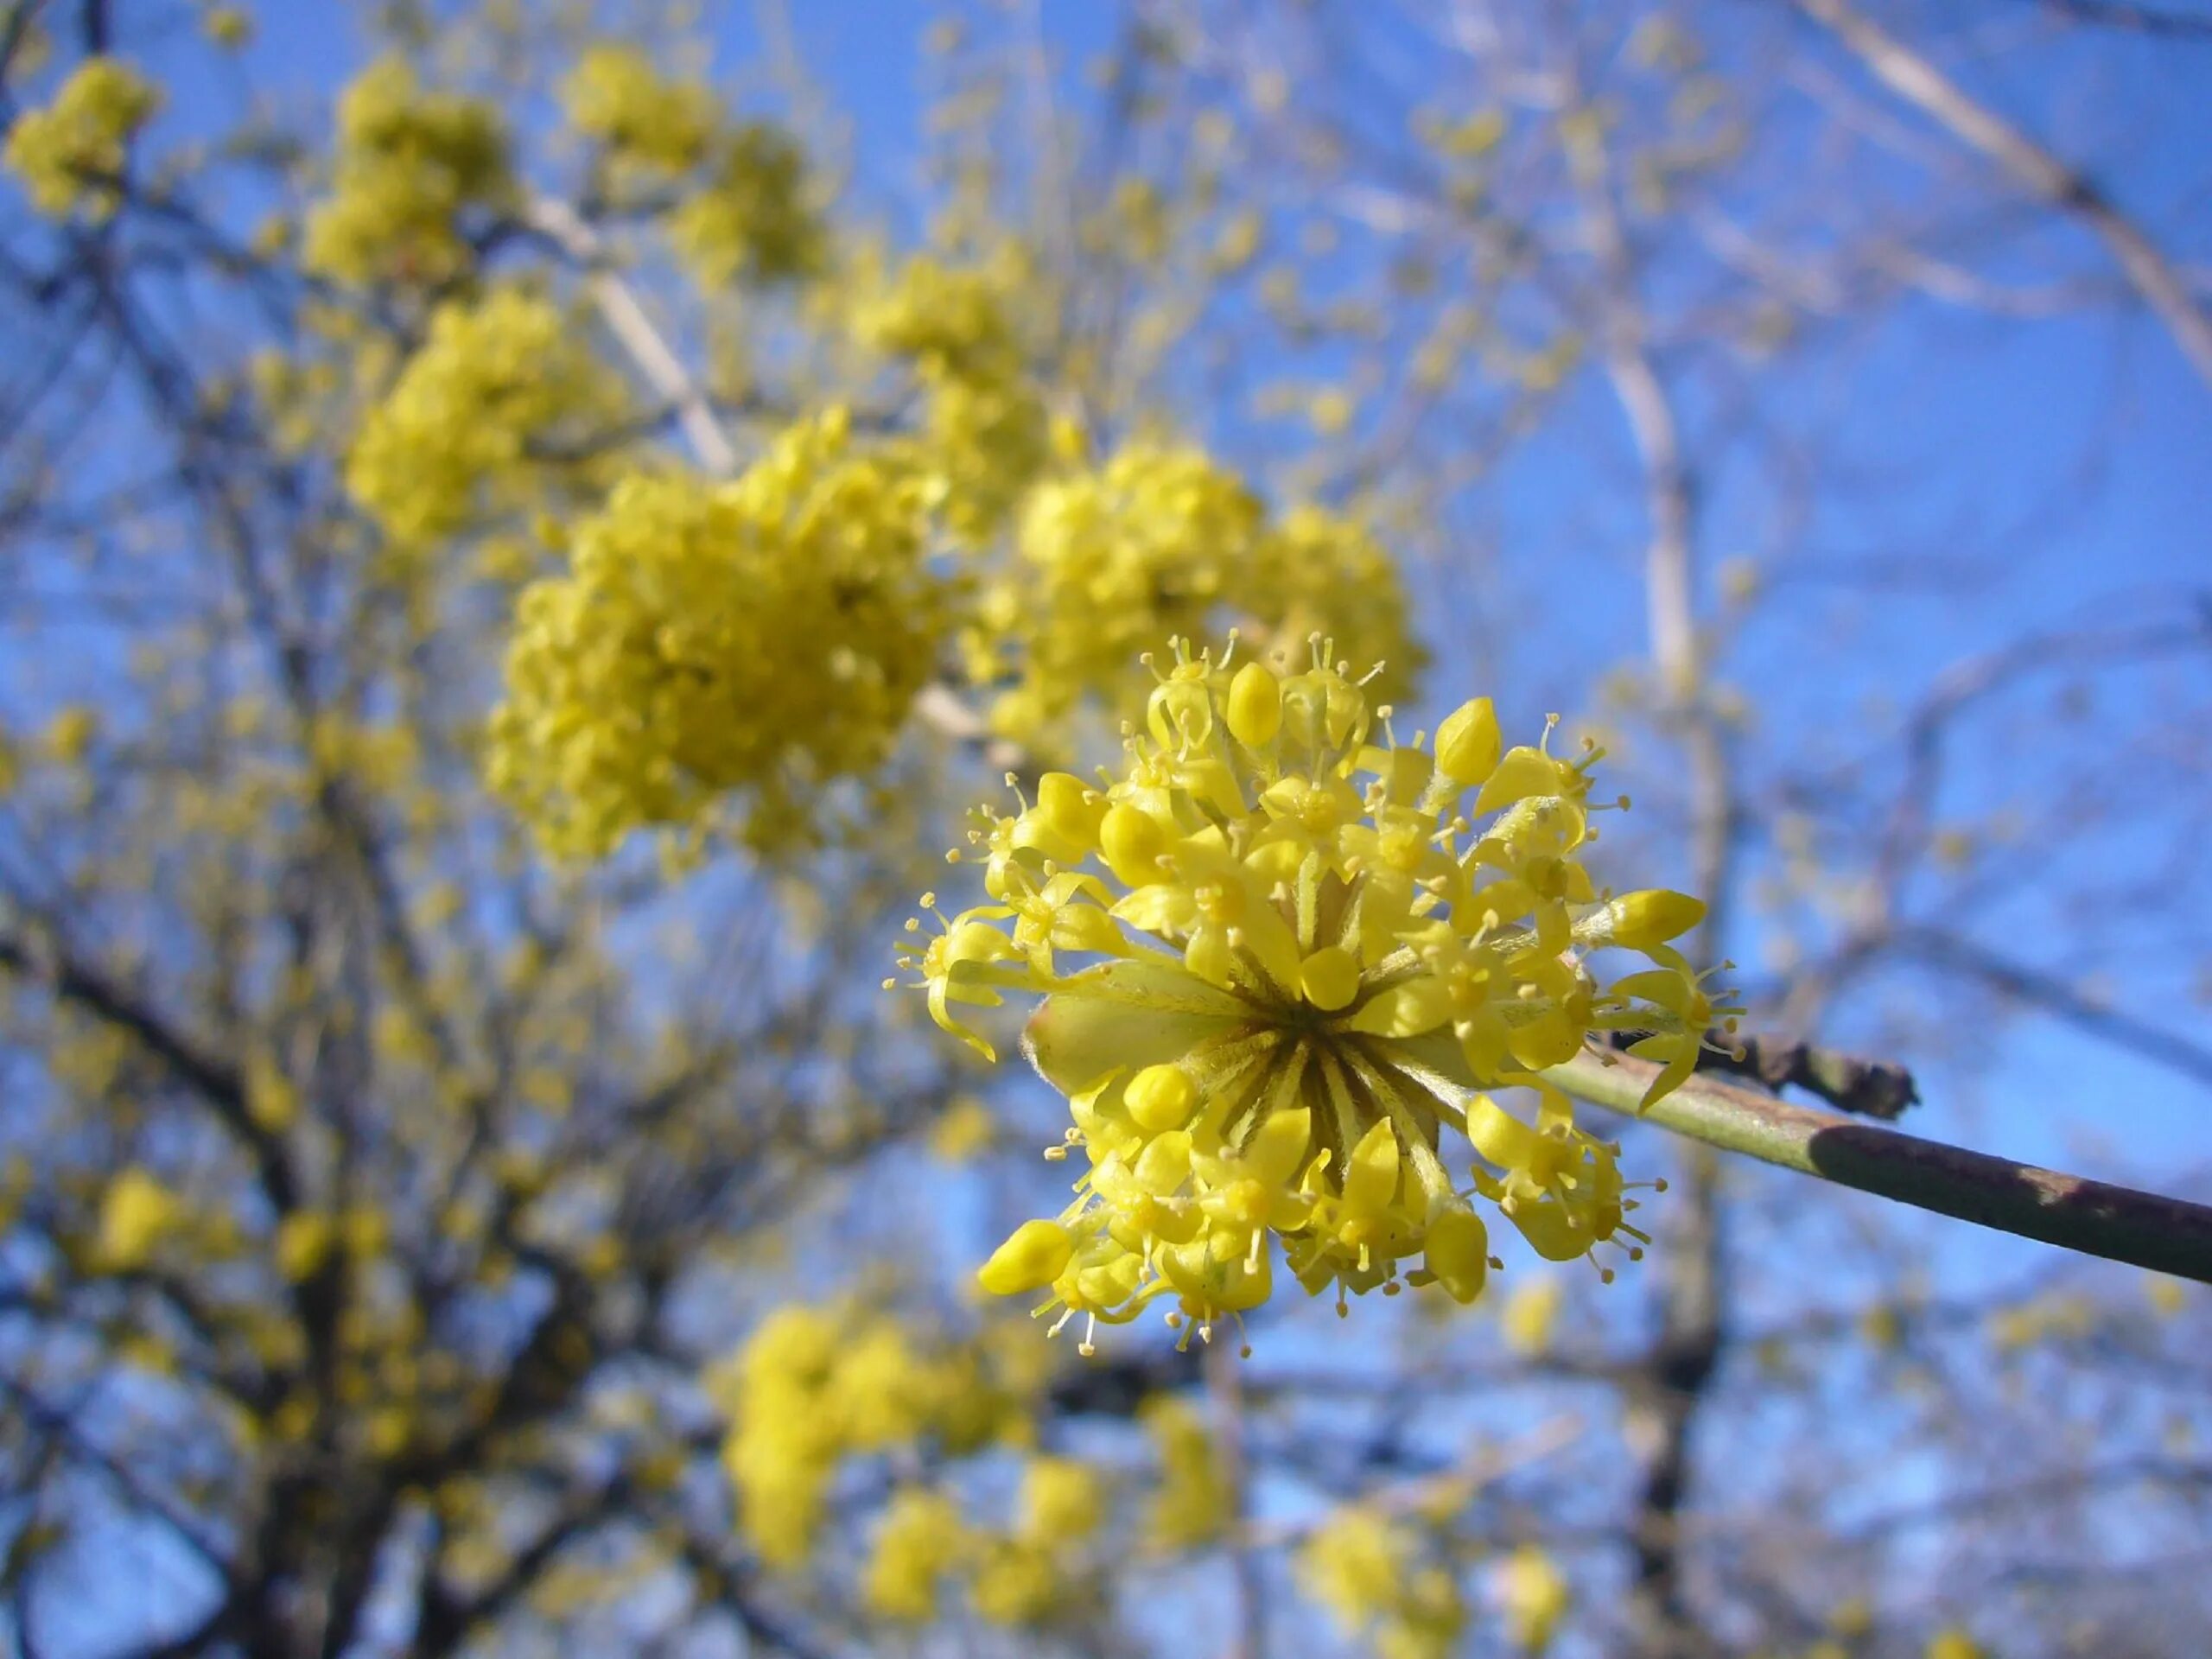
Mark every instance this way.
x=683 y=656
x=1192 y=1504
x=750 y=219
x=408 y=163
x=1531 y=1313
x=453 y=436
x=1366 y=1570
x=1534 y=1596
x=918 y=1542
x=70 y=153
x=646 y=120
x=137 y=1212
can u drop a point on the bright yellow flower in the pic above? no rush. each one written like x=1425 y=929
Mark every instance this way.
x=409 y=164
x=1536 y=1596
x=644 y=119
x=762 y=637
x=1309 y=964
x=136 y=1213
x=1192 y=1504
x=70 y=154
x=919 y=1541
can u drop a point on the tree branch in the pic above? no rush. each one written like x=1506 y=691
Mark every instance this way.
x=2117 y=1222
x=1912 y=78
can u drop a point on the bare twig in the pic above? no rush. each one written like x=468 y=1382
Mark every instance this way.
x=1909 y=75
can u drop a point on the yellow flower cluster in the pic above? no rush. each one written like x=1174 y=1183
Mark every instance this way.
x=985 y=433
x=815 y=1386
x=1034 y=1571
x=409 y=163
x=1192 y=1506
x=751 y=219
x=763 y=635
x=1308 y=960
x=1534 y=1596
x=1319 y=570
x=1366 y=1570
x=70 y=154
x=137 y=1212
x=644 y=121
x=1162 y=541
x=948 y=320
x=1037 y=1568
x=920 y=1540
x=452 y=439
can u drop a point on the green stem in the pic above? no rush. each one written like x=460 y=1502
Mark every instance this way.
x=2142 y=1229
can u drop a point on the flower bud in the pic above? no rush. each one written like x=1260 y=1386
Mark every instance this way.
x=1330 y=977
x=1467 y=742
x=1459 y=1251
x=1255 y=706
x=1037 y=1253
x=1132 y=841
x=1160 y=1098
x=1641 y=920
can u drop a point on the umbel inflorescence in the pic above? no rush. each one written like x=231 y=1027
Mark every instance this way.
x=1280 y=953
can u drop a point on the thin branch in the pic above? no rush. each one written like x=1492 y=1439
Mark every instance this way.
x=2141 y=20
x=1905 y=73
x=2095 y=1217
x=625 y=316
x=2055 y=996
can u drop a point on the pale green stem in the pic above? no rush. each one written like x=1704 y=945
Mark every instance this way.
x=2142 y=1229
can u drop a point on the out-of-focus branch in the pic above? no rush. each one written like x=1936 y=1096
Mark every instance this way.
x=2056 y=997
x=1678 y=1366
x=1449 y=1491
x=625 y=316
x=1905 y=73
x=214 y=1081
x=2095 y=1217
x=2142 y=20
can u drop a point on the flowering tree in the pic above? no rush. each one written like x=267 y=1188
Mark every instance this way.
x=516 y=568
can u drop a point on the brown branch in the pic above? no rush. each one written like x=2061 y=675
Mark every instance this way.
x=2143 y=1230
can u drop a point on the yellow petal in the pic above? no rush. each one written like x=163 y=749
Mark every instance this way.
x=1499 y=1136
x=1330 y=978
x=1405 y=1010
x=1523 y=771
x=1162 y=1098
x=1255 y=706
x=1037 y=1253
x=1458 y=1252
x=1467 y=742
x=1371 y=1176
x=1279 y=1151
